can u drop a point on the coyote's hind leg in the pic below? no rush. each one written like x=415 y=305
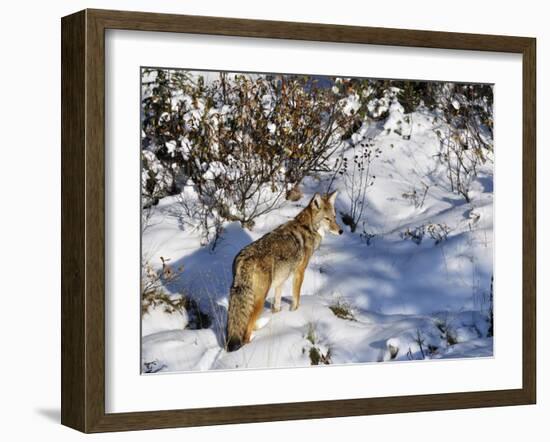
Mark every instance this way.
x=256 y=312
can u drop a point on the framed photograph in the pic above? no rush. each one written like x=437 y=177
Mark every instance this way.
x=267 y=220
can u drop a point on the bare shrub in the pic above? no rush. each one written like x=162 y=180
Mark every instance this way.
x=417 y=197
x=316 y=355
x=342 y=309
x=318 y=358
x=152 y=287
x=162 y=127
x=153 y=295
x=192 y=213
x=416 y=234
x=357 y=178
x=445 y=325
x=466 y=134
x=419 y=340
x=242 y=142
x=438 y=232
x=367 y=237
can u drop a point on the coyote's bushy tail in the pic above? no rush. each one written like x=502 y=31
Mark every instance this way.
x=241 y=304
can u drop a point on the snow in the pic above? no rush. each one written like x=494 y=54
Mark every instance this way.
x=407 y=296
x=171 y=147
x=351 y=104
x=158 y=320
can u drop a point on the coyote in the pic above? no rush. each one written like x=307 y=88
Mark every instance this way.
x=269 y=262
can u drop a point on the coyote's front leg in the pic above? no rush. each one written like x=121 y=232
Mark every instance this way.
x=297 y=284
x=276 y=304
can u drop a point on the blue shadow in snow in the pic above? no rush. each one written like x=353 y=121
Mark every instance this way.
x=207 y=276
x=487 y=183
x=399 y=276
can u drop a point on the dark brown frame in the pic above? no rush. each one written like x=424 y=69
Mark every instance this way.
x=83 y=216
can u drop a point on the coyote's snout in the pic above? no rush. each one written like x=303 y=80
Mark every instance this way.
x=270 y=261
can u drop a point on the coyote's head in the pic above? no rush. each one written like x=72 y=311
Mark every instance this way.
x=324 y=214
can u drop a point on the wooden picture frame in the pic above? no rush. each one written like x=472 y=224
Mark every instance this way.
x=83 y=220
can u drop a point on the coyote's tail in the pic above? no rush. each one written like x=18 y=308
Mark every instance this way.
x=241 y=304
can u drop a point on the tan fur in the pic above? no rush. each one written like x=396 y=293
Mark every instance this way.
x=270 y=261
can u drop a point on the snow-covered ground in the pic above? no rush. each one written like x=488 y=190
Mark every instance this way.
x=389 y=291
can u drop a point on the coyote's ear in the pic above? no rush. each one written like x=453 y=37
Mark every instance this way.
x=332 y=197
x=316 y=201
